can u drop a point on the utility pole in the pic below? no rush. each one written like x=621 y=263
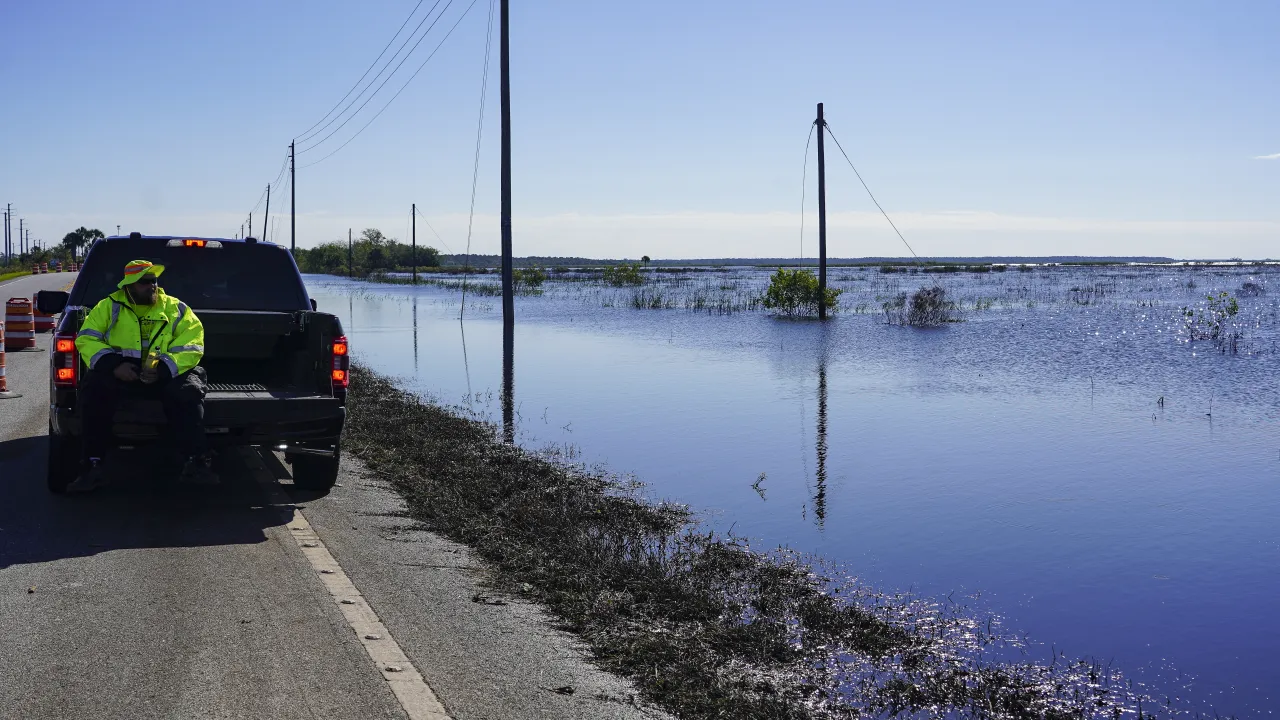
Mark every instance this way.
x=414 y=213
x=822 y=217
x=508 y=289
x=250 y=225
x=20 y=233
x=266 y=216
x=8 y=215
x=293 y=203
x=348 y=252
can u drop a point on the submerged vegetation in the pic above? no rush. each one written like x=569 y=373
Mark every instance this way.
x=927 y=307
x=702 y=623
x=1214 y=322
x=796 y=292
x=624 y=274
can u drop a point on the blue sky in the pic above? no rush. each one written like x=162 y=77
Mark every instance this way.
x=673 y=129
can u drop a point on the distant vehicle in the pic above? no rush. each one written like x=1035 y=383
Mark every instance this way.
x=277 y=369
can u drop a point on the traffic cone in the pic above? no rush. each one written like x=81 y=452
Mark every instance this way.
x=4 y=382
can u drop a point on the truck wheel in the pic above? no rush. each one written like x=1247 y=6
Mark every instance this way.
x=313 y=472
x=64 y=462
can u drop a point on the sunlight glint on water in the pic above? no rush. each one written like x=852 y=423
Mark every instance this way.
x=1020 y=455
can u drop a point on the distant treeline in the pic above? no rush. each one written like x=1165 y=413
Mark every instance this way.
x=493 y=261
x=371 y=252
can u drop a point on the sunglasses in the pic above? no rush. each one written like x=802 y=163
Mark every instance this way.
x=145 y=281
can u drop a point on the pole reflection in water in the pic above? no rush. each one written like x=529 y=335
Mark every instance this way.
x=508 y=382
x=466 y=366
x=820 y=495
x=415 y=334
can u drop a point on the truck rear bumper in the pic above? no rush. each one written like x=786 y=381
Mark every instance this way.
x=230 y=418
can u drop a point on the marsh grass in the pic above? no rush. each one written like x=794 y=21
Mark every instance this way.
x=703 y=624
x=926 y=307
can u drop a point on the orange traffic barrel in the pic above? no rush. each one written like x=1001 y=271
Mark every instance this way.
x=44 y=322
x=4 y=382
x=20 y=325
x=35 y=269
x=44 y=268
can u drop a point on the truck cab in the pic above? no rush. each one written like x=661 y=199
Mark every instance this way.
x=277 y=368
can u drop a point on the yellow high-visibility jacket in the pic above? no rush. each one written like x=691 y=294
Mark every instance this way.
x=116 y=330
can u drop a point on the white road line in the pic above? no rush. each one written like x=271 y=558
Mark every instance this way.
x=411 y=690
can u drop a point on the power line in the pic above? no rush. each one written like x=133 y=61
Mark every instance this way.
x=402 y=89
x=475 y=171
x=433 y=232
x=259 y=203
x=306 y=133
x=804 y=178
x=283 y=167
x=386 y=79
x=869 y=194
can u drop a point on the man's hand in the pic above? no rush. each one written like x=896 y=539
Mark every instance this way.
x=149 y=375
x=126 y=372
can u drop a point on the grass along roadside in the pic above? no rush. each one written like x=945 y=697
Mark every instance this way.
x=4 y=276
x=704 y=625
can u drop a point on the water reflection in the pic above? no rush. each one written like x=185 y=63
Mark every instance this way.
x=415 y=334
x=1078 y=521
x=820 y=493
x=508 y=382
x=466 y=366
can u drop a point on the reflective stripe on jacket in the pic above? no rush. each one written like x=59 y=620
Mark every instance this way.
x=114 y=327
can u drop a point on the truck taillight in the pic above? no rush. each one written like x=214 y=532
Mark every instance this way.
x=66 y=361
x=341 y=371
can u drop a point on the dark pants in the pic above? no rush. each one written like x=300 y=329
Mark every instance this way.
x=182 y=398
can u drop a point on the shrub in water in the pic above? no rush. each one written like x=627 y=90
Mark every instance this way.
x=928 y=306
x=1251 y=289
x=528 y=278
x=1214 y=322
x=624 y=274
x=795 y=292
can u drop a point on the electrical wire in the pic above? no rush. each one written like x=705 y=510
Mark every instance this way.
x=870 y=195
x=394 y=55
x=433 y=232
x=386 y=79
x=402 y=89
x=475 y=171
x=283 y=167
x=804 y=178
x=307 y=133
x=259 y=203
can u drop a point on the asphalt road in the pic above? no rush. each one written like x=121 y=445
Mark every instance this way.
x=148 y=600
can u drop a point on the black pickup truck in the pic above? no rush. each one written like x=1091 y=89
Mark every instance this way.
x=277 y=369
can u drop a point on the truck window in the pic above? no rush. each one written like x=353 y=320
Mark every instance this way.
x=237 y=276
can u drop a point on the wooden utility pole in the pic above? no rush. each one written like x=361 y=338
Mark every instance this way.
x=508 y=287
x=508 y=274
x=250 y=225
x=266 y=216
x=822 y=217
x=293 y=203
x=414 y=213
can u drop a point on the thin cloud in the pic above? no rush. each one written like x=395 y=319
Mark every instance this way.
x=1273 y=156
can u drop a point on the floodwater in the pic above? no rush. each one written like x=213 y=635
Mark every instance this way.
x=1064 y=456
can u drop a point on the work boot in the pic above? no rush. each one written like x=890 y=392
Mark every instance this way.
x=92 y=476
x=199 y=471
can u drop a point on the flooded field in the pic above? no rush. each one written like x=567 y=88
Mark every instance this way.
x=1066 y=456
